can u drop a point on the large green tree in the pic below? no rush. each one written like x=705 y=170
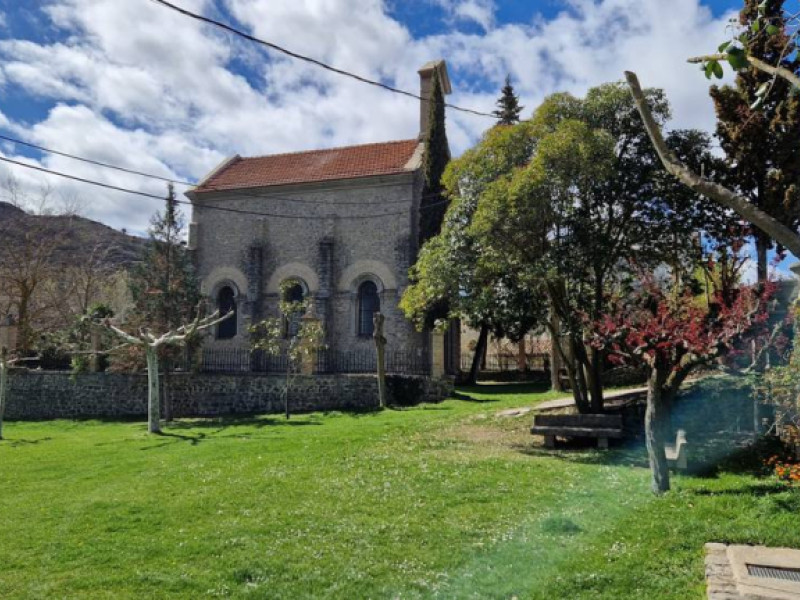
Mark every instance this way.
x=758 y=123
x=574 y=192
x=446 y=280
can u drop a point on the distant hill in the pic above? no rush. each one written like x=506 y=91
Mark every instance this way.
x=74 y=237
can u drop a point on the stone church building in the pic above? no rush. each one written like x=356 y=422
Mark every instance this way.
x=343 y=223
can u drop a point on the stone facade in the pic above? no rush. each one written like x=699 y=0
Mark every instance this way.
x=329 y=233
x=329 y=256
x=57 y=395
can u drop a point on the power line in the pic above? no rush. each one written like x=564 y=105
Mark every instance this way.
x=308 y=59
x=203 y=206
x=188 y=183
x=95 y=162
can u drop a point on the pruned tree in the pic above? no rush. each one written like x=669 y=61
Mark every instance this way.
x=281 y=336
x=152 y=342
x=508 y=106
x=671 y=334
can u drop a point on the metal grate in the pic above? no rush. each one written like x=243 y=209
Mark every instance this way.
x=768 y=572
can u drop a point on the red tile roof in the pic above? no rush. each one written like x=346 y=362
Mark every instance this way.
x=386 y=158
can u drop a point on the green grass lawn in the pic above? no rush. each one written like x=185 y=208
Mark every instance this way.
x=438 y=501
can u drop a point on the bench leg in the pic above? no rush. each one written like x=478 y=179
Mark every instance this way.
x=549 y=441
x=602 y=443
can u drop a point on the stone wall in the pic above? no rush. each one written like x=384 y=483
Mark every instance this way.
x=56 y=395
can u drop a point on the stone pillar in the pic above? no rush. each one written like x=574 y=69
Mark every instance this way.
x=254 y=270
x=438 y=367
x=325 y=269
x=8 y=334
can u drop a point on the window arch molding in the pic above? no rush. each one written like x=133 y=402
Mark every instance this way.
x=354 y=274
x=367 y=292
x=295 y=270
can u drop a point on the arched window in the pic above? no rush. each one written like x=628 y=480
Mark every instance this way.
x=226 y=302
x=368 y=304
x=295 y=293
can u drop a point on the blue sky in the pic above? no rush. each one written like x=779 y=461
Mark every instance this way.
x=131 y=83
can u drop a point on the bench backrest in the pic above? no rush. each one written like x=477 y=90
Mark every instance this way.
x=600 y=421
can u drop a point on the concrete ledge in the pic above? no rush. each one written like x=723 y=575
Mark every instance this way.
x=728 y=577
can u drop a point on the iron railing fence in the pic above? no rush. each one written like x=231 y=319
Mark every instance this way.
x=242 y=360
x=507 y=362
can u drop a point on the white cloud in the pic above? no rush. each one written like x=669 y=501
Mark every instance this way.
x=136 y=84
x=480 y=12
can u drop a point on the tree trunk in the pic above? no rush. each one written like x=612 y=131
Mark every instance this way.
x=23 y=324
x=654 y=429
x=153 y=391
x=479 y=356
x=380 y=347
x=3 y=392
x=762 y=245
x=522 y=357
x=596 y=380
x=595 y=357
x=578 y=375
x=555 y=356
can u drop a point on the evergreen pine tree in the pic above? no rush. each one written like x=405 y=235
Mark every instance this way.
x=437 y=155
x=760 y=142
x=508 y=107
x=164 y=286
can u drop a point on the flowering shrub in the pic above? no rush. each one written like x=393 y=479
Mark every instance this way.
x=785 y=469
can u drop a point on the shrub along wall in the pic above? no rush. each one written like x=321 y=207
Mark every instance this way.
x=56 y=395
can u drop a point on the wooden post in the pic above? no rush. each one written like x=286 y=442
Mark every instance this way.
x=380 y=346
x=3 y=386
x=437 y=355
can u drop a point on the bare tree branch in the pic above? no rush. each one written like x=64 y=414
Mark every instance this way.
x=759 y=64
x=718 y=193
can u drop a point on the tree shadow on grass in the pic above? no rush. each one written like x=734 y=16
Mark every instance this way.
x=585 y=452
x=176 y=437
x=767 y=488
x=502 y=389
x=221 y=423
x=12 y=443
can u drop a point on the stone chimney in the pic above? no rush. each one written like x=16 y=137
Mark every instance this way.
x=425 y=83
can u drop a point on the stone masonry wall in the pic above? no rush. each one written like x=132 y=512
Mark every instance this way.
x=55 y=395
x=380 y=248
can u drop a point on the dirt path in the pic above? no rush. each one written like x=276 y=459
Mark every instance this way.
x=566 y=402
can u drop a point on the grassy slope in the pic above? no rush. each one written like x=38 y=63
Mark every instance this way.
x=436 y=501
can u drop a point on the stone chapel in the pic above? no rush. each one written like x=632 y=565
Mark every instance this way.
x=341 y=223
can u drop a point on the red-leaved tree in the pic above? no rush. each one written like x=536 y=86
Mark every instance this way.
x=671 y=335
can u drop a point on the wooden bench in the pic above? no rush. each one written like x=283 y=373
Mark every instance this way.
x=601 y=427
x=676 y=453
